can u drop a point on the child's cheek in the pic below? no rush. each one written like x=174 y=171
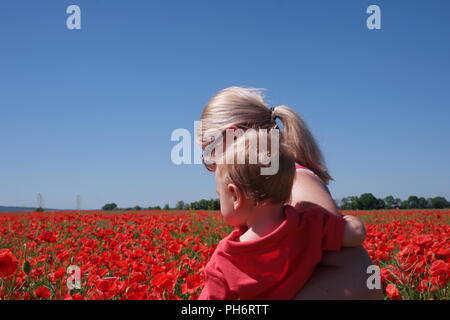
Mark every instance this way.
x=232 y=220
x=228 y=213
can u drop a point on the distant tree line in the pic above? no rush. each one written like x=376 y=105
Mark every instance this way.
x=113 y=206
x=368 y=201
x=212 y=204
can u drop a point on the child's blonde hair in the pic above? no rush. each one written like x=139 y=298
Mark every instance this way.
x=246 y=173
x=245 y=108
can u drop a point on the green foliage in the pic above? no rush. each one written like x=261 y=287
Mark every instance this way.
x=413 y=202
x=109 y=207
x=422 y=203
x=368 y=201
x=212 y=204
x=439 y=203
x=181 y=205
x=390 y=202
x=26 y=267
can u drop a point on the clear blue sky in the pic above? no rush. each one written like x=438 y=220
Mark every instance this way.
x=91 y=111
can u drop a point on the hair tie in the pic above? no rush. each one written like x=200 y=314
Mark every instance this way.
x=271 y=114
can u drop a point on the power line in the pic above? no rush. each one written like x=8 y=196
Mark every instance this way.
x=40 y=201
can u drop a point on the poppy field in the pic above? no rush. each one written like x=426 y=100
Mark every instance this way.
x=161 y=254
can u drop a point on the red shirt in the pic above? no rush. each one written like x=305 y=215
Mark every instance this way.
x=276 y=266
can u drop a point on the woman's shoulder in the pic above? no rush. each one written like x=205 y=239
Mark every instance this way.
x=309 y=188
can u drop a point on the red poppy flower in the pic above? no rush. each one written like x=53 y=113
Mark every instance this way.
x=163 y=281
x=137 y=292
x=392 y=292
x=8 y=263
x=193 y=282
x=42 y=292
x=175 y=248
x=439 y=268
x=184 y=228
x=137 y=277
x=106 y=284
x=422 y=240
x=77 y=296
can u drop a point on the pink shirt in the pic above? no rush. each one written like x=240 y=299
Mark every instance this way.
x=302 y=168
x=298 y=166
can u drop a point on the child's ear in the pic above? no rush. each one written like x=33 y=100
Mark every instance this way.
x=236 y=196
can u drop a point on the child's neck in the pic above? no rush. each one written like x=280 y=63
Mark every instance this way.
x=262 y=221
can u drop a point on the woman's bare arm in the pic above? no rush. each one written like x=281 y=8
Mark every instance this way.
x=341 y=274
x=347 y=280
